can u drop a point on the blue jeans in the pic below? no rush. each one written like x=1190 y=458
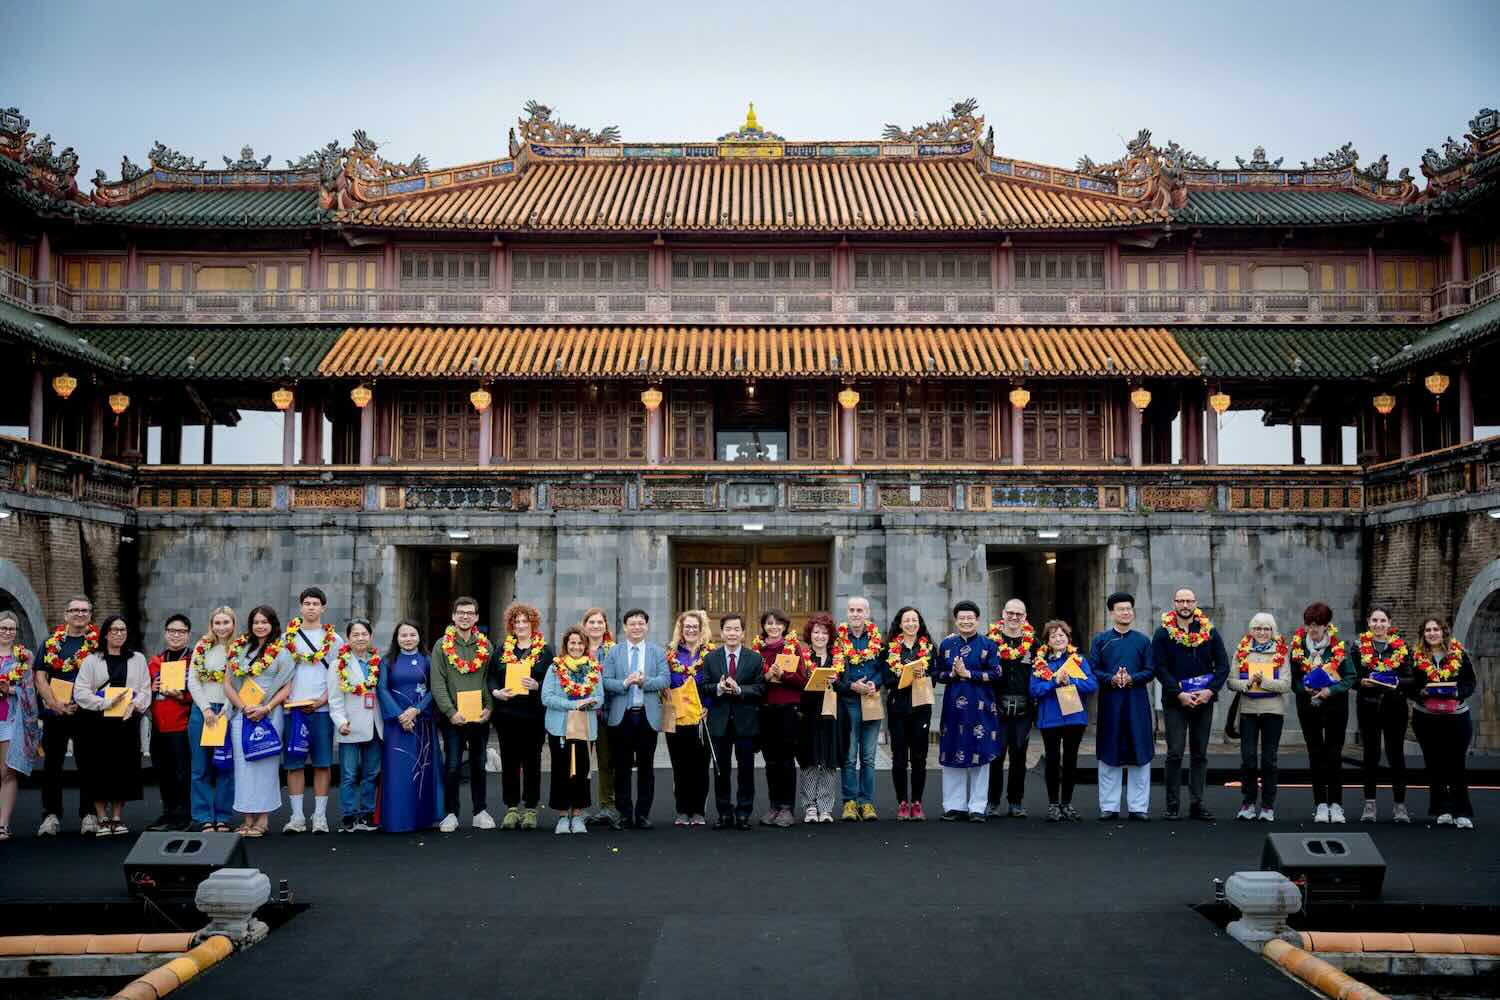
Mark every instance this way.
x=859 y=786
x=359 y=770
x=212 y=789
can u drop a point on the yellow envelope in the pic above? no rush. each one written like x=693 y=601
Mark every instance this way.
x=215 y=732
x=251 y=693
x=1074 y=670
x=921 y=691
x=1266 y=671
x=514 y=674
x=174 y=676
x=786 y=663
x=820 y=679
x=470 y=705
x=907 y=676
x=61 y=690
x=1069 y=700
x=118 y=711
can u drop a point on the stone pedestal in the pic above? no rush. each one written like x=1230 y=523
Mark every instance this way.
x=229 y=898
x=1265 y=900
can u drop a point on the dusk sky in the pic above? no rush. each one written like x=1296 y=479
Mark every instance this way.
x=448 y=79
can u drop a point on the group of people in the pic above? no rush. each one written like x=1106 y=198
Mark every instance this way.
x=235 y=709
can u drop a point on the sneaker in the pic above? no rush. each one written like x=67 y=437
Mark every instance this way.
x=1321 y=815
x=1071 y=815
x=483 y=820
x=1200 y=811
x=769 y=819
x=1054 y=813
x=117 y=827
x=1136 y=817
x=528 y=819
x=564 y=825
x=1108 y=816
x=976 y=817
x=512 y=819
x=1268 y=815
x=1446 y=819
x=825 y=816
x=953 y=815
x=1369 y=815
x=917 y=815
x=1017 y=811
x=867 y=812
x=995 y=811
x=365 y=824
x=681 y=820
x=1336 y=814
x=699 y=820
x=320 y=824
x=1399 y=814
x=1172 y=815
x=346 y=824
x=449 y=824
x=579 y=826
x=90 y=825
x=784 y=818
x=850 y=813
x=50 y=826
x=1464 y=823
x=811 y=816
x=903 y=813
x=295 y=825
x=1247 y=811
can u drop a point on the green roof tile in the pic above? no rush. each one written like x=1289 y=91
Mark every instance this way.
x=1439 y=338
x=217 y=208
x=50 y=335
x=1273 y=351
x=217 y=352
x=1315 y=208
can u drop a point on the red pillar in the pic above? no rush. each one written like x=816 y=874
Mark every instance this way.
x=34 y=426
x=1465 y=406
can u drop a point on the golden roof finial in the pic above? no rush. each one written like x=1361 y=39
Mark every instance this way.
x=751 y=125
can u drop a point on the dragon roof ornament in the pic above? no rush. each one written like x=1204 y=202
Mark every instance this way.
x=960 y=124
x=171 y=159
x=540 y=126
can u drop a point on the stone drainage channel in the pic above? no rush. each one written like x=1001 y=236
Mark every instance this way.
x=1363 y=950
x=138 y=950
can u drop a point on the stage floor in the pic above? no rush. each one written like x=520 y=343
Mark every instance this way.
x=882 y=909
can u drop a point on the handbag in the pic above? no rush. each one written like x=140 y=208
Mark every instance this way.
x=1232 y=720
x=224 y=757
x=259 y=739
x=298 y=736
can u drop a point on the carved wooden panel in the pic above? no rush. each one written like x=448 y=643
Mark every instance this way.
x=343 y=497
x=1168 y=498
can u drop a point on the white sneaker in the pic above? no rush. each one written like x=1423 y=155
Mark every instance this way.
x=320 y=824
x=564 y=825
x=483 y=820
x=1268 y=815
x=1321 y=816
x=1464 y=823
x=1446 y=819
x=1246 y=812
x=50 y=826
x=1369 y=815
x=579 y=825
x=1399 y=814
x=491 y=760
x=296 y=824
x=1336 y=813
x=449 y=824
x=90 y=825
x=811 y=816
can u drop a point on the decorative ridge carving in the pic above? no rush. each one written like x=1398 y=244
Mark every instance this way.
x=540 y=126
x=751 y=131
x=247 y=160
x=960 y=124
x=171 y=159
x=1259 y=162
x=1345 y=156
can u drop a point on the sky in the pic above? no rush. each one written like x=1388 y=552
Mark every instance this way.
x=448 y=79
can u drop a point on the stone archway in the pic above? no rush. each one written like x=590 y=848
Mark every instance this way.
x=16 y=595
x=1477 y=626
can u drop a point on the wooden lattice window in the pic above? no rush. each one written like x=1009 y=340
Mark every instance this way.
x=576 y=424
x=1059 y=270
x=919 y=271
x=734 y=272
x=924 y=423
x=584 y=272
x=436 y=425
x=1066 y=426
x=814 y=426
x=445 y=269
x=690 y=423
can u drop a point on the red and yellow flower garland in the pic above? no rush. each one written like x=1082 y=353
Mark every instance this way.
x=844 y=653
x=1445 y=672
x=449 y=646
x=52 y=650
x=289 y=641
x=258 y=667
x=691 y=670
x=1016 y=652
x=197 y=660
x=1387 y=663
x=1182 y=636
x=1046 y=672
x=508 y=651
x=22 y=660
x=372 y=671
x=893 y=653
x=1336 y=651
x=573 y=688
x=1242 y=654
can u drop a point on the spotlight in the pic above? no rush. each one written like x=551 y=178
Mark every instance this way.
x=1049 y=534
x=458 y=534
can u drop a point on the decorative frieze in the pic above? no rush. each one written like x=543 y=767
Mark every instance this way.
x=1045 y=497
x=751 y=496
x=916 y=498
x=336 y=497
x=804 y=496
x=1177 y=498
x=460 y=498
x=698 y=496
x=1295 y=497
x=206 y=497
x=587 y=496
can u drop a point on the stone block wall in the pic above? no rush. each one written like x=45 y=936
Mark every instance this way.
x=48 y=553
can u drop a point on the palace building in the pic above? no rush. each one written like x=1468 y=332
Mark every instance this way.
x=749 y=372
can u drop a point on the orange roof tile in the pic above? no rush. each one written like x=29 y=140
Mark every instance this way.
x=730 y=352
x=763 y=195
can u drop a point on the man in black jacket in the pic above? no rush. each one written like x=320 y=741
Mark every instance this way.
x=1191 y=666
x=732 y=684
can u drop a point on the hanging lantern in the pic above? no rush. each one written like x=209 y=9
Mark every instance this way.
x=64 y=385
x=1019 y=397
x=361 y=394
x=1140 y=397
x=651 y=398
x=1384 y=403
x=481 y=398
x=848 y=398
x=1219 y=401
x=1437 y=384
x=119 y=403
x=282 y=397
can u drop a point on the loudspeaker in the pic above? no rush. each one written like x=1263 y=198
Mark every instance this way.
x=1333 y=866
x=172 y=864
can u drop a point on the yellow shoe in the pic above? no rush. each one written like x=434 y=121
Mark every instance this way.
x=851 y=813
x=867 y=812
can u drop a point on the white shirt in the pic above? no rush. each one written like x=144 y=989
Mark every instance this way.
x=310 y=680
x=635 y=659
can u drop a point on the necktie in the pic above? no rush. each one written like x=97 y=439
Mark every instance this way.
x=731 y=664
x=637 y=696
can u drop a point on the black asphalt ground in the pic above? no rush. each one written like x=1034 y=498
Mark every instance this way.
x=1018 y=907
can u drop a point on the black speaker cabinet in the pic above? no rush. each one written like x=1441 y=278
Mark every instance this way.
x=1334 y=866
x=172 y=864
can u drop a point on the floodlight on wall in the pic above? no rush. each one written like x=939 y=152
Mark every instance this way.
x=1049 y=534
x=458 y=534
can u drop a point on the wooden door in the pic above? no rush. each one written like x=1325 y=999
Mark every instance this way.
x=792 y=577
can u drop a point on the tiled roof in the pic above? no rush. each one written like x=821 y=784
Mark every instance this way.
x=720 y=352
x=1315 y=208
x=1439 y=338
x=50 y=335
x=217 y=352
x=217 y=208
x=1274 y=351
x=761 y=196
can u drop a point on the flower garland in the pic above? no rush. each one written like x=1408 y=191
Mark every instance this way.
x=1336 y=651
x=237 y=649
x=372 y=671
x=22 y=658
x=1377 y=664
x=844 y=653
x=52 y=650
x=1018 y=651
x=893 y=653
x=1445 y=672
x=449 y=646
x=1046 y=672
x=1242 y=653
x=197 y=660
x=1182 y=636
x=789 y=643
x=572 y=687
x=508 y=651
x=319 y=655
x=691 y=670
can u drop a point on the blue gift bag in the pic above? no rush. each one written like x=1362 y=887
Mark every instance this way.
x=1191 y=684
x=258 y=739
x=224 y=757
x=298 y=737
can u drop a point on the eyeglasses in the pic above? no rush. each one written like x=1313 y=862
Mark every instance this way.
x=79 y=611
x=1015 y=614
x=7 y=628
x=176 y=631
x=466 y=614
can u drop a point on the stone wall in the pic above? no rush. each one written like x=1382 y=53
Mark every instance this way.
x=51 y=550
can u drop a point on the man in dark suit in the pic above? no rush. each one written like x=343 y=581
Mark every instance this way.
x=732 y=685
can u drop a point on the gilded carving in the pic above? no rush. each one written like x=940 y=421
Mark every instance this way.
x=540 y=126
x=344 y=497
x=1177 y=498
x=961 y=123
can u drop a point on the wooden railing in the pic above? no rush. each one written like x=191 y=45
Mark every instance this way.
x=1449 y=472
